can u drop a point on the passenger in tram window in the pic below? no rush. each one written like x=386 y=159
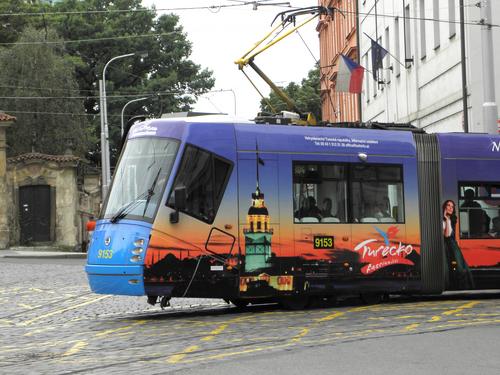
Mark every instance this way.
x=495 y=231
x=369 y=209
x=479 y=221
x=382 y=209
x=461 y=275
x=309 y=209
x=327 y=208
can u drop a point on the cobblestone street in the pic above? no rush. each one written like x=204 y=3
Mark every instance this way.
x=51 y=323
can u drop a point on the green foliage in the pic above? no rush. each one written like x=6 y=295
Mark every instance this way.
x=306 y=96
x=41 y=71
x=166 y=71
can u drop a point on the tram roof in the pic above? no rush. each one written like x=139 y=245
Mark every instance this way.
x=212 y=131
x=469 y=146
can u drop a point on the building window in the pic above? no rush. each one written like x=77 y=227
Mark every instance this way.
x=397 y=52
x=423 y=44
x=452 y=18
x=478 y=210
x=437 y=36
x=408 y=53
x=387 y=64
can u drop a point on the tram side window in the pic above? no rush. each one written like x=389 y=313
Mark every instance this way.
x=377 y=194
x=320 y=193
x=479 y=209
x=204 y=177
x=342 y=193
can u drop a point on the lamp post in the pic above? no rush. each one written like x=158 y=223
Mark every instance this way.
x=105 y=160
x=125 y=106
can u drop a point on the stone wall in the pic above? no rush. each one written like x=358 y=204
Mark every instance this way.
x=73 y=202
x=5 y=121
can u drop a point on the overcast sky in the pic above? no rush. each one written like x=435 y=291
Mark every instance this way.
x=221 y=37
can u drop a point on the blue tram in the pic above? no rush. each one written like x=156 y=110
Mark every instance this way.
x=209 y=207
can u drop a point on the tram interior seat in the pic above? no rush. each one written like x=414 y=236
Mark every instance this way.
x=309 y=220
x=464 y=224
x=387 y=220
x=369 y=220
x=330 y=220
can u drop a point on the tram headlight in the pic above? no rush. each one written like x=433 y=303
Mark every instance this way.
x=139 y=242
x=137 y=250
x=136 y=258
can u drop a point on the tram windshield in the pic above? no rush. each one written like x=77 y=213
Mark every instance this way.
x=140 y=178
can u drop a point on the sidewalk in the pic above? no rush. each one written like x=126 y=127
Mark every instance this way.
x=41 y=252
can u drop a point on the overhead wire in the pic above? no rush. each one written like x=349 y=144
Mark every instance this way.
x=89 y=40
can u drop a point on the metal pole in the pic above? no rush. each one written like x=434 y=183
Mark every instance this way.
x=464 y=67
x=123 y=110
x=358 y=96
x=107 y=182
x=104 y=186
x=490 y=111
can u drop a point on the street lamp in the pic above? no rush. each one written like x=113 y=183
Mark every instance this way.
x=125 y=106
x=105 y=160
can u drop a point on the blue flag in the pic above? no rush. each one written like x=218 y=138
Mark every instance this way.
x=378 y=54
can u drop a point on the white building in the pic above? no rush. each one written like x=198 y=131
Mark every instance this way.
x=425 y=86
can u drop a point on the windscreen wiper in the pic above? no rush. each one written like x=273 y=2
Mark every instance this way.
x=151 y=192
x=122 y=212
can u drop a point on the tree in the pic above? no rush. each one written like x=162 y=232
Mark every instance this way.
x=306 y=96
x=166 y=71
x=30 y=75
x=121 y=27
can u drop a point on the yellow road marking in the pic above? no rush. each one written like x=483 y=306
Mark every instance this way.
x=215 y=332
x=409 y=317
x=411 y=327
x=455 y=311
x=36 y=331
x=37 y=290
x=61 y=311
x=111 y=331
x=179 y=357
x=330 y=317
x=75 y=348
x=25 y=306
x=459 y=309
x=302 y=333
x=6 y=321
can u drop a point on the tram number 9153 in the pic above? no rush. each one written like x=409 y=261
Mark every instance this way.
x=323 y=242
x=105 y=254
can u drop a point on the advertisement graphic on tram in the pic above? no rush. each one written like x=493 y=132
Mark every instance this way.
x=247 y=212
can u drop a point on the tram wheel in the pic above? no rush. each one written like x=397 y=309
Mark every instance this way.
x=240 y=303
x=294 y=302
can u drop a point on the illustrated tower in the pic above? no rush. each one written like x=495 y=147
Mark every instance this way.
x=258 y=232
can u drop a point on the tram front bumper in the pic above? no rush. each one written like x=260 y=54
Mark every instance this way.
x=122 y=280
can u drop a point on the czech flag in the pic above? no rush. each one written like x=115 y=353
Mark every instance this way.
x=349 y=76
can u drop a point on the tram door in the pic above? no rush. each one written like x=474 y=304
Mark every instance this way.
x=34 y=209
x=322 y=231
x=259 y=212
